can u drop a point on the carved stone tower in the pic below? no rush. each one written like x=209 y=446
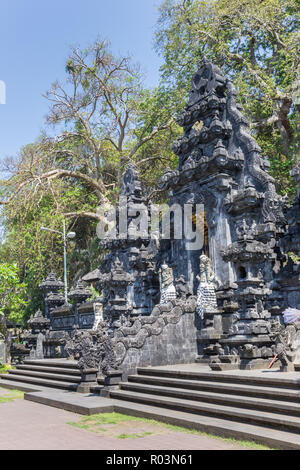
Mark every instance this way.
x=221 y=168
x=127 y=275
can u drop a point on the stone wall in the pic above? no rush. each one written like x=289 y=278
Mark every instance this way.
x=168 y=336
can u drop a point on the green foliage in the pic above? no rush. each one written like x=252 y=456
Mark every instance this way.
x=294 y=257
x=5 y=368
x=12 y=293
x=95 y=294
x=258 y=48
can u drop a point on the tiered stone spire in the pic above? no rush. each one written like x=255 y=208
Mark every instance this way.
x=221 y=167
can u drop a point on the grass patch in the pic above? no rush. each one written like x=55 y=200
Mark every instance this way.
x=134 y=436
x=11 y=396
x=96 y=422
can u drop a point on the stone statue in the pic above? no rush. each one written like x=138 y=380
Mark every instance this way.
x=167 y=288
x=206 y=295
x=94 y=349
x=82 y=348
x=285 y=339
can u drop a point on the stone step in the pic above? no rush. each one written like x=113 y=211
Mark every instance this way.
x=278 y=421
x=38 y=381
x=262 y=404
x=49 y=369
x=23 y=387
x=274 y=438
x=218 y=387
x=282 y=381
x=52 y=363
x=84 y=404
x=45 y=375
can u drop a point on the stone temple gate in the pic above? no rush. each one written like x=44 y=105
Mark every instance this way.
x=164 y=303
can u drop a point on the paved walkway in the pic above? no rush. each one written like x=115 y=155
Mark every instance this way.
x=25 y=425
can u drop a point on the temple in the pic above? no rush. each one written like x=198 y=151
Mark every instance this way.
x=198 y=315
x=169 y=300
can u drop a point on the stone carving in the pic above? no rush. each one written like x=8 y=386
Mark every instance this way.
x=288 y=277
x=287 y=344
x=81 y=347
x=122 y=344
x=52 y=297
x=18 y=353
x=182 y=288
x=167 y=288
x=98 y=314
x=130 y=340
x=206 y=294
x=93 y=349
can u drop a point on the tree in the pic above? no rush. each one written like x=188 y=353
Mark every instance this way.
x=12 y=298
x=102 y=106
x=257 y=46
x=108 y=118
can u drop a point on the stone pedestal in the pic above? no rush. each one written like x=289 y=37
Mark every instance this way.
x=88 y=379
x=226 y=362
x=288 y=368
x=111 y=381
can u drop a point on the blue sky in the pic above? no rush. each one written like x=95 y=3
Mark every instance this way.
x=35 y=37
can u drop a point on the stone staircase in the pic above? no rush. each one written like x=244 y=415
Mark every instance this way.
x=263 y=408
x=36 y=375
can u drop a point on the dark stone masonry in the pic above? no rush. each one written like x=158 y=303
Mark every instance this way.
x=165 y=301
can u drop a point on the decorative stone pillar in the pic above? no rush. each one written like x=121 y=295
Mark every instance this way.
x=80 y=293
x=39 y=325
x=50 y=286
